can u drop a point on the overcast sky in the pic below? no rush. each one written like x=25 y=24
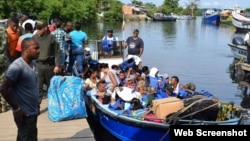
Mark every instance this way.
x=204 y=3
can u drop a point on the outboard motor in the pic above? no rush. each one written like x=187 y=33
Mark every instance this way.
x=238 y=41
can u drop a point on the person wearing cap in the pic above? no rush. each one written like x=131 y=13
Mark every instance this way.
x=60 y=35
x=49 y=60
x=135 y=45
x=28 y=34
x=26 y=19
x=76 y=53
x=108 y=44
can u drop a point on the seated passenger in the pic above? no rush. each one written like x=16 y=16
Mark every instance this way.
x=176 y=85
x=141 y=88
x=110 y=77
x=121 y=78
x=160 y=91
x=101 y=94
x=170 y=91
x=151 y=91
x=91 y=80
x=189 y=90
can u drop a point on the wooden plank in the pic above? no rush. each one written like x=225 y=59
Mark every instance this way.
x=244 y=83
x=245 y=66
x=71 y=130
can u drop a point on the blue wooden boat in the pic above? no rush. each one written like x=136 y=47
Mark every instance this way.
x=125 y=127
x=128 y=128
x=211 y=16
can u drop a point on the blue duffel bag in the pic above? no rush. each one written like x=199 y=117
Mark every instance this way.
x=65 y=98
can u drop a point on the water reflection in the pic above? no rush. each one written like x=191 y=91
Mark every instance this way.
x=243 y=81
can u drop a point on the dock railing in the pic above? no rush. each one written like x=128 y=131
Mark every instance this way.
x=98 y=52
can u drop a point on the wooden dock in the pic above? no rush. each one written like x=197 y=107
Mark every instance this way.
x=72 y=130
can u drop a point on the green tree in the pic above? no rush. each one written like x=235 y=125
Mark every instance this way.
x=137 y=2
x=75 y=10
x=114 y=13
x=169 y=6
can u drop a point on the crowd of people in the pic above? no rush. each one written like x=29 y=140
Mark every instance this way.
x=32 y=52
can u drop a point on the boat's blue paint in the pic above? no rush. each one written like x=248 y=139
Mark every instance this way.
x=126 y=128
x=128 y=132
x=211 y=16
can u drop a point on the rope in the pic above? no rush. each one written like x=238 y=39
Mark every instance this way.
x=200 y=110
x=164 y=136
x=238 y=63
x=175 y=116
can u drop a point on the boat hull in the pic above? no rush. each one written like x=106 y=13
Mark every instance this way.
x=164 y=19
x=239 y=51
x=241 y=22
x=212 y=19
x=126 y=128
x=226 y=19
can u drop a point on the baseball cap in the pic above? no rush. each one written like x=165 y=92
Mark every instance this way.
x=87 y=49
x=110 y=30
x=41 y=24
x=136 y=31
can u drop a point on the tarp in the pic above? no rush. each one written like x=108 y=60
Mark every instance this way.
x=65 y=98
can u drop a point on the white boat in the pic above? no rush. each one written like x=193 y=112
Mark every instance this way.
x=238 y=49
x=240 y=22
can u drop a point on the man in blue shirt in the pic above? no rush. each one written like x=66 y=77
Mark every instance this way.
x=76 y=52
x=20 y=90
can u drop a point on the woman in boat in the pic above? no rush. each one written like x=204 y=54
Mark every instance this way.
x=110 y=77
x=91 y=80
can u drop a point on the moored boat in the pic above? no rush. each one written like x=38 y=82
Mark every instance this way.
x=138 y=127
x=240 y=22
x=163 y=17
x=238 y=48
x=226 y=15
x=211 y=16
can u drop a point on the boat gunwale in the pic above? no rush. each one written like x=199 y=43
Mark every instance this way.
x=155 y=125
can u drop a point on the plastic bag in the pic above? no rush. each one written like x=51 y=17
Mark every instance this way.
x=65 y=98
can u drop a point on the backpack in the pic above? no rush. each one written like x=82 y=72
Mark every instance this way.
x=108 y=45
x=127 y=64
x=3 y=55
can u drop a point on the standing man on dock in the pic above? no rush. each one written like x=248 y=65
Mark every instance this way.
x=49 y=60
x=135 y=47
x=20 y=90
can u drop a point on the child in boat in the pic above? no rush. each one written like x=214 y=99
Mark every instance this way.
x=121 y=78
x=101 y=94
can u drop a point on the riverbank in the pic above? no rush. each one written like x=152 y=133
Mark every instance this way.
x=72 y=130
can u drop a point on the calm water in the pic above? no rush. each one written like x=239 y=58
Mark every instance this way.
x=193 y=51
